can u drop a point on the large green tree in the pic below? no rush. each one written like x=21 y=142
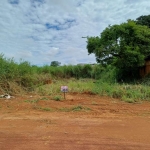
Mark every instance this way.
x=55 y=63
x=143 y=20
x=124 y=46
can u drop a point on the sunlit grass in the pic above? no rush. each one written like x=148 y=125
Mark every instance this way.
x=74 y=85
x=126 y=92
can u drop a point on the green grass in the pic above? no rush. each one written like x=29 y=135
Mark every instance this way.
x=75 y=109
x=128 y=100
x=80 y=108
x=57 y=98
x=74 y=85
x=46 y=109
x=125 y=92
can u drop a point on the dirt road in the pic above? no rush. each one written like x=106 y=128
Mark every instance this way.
x=81 y=122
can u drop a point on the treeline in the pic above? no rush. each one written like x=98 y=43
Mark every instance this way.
x=75 y=71
x=11 y=70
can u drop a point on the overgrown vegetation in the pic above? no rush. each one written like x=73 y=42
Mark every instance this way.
x=120 y=50
x=21 y=78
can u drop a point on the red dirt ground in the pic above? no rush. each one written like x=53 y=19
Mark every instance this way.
x=102 y=124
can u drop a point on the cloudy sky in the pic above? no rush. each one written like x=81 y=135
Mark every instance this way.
x=41 y=31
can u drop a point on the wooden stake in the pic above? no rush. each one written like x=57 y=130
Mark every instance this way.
x=64 y=95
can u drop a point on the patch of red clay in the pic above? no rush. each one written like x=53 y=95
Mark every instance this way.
x=81 y=122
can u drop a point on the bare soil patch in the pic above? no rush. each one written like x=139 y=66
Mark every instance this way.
x=82 y=121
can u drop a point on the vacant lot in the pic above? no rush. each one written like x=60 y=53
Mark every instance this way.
x=81 y=122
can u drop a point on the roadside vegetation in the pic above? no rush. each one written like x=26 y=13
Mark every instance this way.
x=120 y=50
x=24 y=78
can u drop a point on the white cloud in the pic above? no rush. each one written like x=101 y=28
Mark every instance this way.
x=41 y=31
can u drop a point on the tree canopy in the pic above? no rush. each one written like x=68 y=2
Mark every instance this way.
x=55 y=63
x=143 y=20
x=124 y=45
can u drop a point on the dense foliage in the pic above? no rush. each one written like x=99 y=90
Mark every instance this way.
x=55 y=63
x=124 y=46
x=29 y=76
x=143 y=20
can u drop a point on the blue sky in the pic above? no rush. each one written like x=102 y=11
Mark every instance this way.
x=41 y=31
